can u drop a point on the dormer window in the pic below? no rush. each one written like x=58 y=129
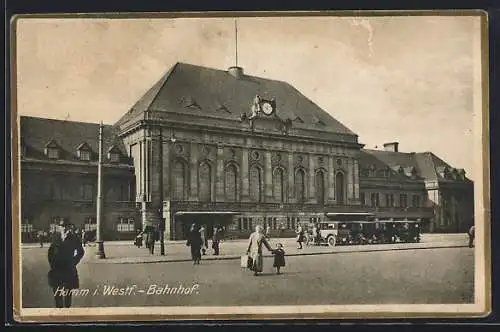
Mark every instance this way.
x=372 y=171
x=84 y=155
x=84 y=152
x=52 y=150
x=114 y=154
x=53 y=153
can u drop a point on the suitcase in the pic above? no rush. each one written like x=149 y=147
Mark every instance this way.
x=246 y=261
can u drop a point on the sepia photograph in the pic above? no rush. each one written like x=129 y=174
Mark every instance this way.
x=250 y=166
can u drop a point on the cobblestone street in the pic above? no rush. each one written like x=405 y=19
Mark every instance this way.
x=441 y=271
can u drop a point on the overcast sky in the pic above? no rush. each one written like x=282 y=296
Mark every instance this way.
x=406 y=79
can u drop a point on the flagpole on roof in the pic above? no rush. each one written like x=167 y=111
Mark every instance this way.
x=100 y=243
x=236 y=40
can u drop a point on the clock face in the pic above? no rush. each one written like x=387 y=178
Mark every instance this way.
x=267 y=109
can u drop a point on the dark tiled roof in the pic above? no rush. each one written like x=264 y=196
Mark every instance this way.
x=187 y=88
x=69 y=136
x=426 y=164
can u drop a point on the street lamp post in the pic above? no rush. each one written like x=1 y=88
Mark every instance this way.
x=100 y=243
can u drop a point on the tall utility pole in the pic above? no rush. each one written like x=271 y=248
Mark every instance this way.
x=100 y=244
x=162 y=221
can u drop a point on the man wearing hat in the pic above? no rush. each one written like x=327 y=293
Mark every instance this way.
x=65 y=253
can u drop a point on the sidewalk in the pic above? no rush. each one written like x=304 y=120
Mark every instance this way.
x=124 y=252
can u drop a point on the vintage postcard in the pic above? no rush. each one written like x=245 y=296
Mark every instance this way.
x=250 y=166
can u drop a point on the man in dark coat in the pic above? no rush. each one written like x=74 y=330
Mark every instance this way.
x=194 y=241
x=216 y=240
x=64 y=254
x=150 y=239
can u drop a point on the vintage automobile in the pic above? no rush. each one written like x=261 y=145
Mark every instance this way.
x=407 y=231
x=363 y=228
x=341 y=228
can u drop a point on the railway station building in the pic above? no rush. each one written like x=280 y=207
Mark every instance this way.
x=221 y=147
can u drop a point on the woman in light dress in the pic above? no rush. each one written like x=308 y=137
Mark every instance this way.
x=254 y=251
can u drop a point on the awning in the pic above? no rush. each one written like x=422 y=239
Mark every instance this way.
x=354 y=214
x=218 y=213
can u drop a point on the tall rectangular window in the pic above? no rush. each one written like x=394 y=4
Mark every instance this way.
x=416 y=201
x=375 y=200
x=87 y=192
x=90 y=224
x=26 y=227
x=389 y=200
x=125 y=225
x=403 y=200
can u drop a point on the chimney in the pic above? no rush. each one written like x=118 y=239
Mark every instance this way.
x=391 y=146
x=236 y=72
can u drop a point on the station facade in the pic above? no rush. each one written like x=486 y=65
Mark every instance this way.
x=224 y=148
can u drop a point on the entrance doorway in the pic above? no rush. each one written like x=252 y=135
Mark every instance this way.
x=183 y=222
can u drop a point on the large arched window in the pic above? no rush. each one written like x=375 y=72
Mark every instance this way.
x=230 y=187
x=320 y=187
x=300 y=187
x=205 y=182
x=278 y=192
x=339 y=188
x=255 y=184
x=179 y=181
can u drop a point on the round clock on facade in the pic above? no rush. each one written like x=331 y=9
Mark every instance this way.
x=267 y=108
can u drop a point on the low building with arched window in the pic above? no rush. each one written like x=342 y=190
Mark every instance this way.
x=224 y=148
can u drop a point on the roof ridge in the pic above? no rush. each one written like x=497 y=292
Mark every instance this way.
x=165 y=79
x=62 y=120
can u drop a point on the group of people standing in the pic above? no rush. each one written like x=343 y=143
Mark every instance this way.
x=149 y=235
x=197 y=239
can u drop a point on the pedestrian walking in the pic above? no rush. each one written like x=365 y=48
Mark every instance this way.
x=40 y=238
x=216 y=240
x=300 y=236
x=84 y=239
x=279 y=257
x=471 y=234
x=195 y=242
x=204 y=239
x=254 y=250
x=139 y=238
x=150 y=239
x=64 y=254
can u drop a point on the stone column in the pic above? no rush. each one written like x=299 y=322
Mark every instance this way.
x=142 y=184
x=350 y=180
x=356 y=179
x=331 y=180
x=245 y=185
x=155 y=176
x=151 y=167
x=166 y=170
x=219 y=184
x=268 y=177
x=311 y=191
x=291 y=182
x=193 y=176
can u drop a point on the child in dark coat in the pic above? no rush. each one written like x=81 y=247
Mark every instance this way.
x=279 y=257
